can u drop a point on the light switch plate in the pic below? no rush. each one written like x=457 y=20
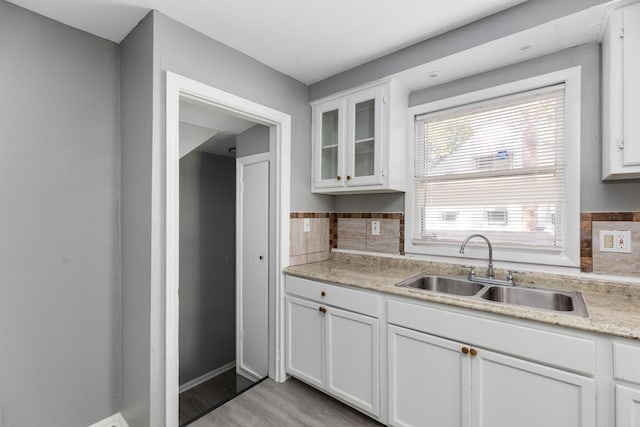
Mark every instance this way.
x=306 y=224
x=615 y=241
x=375 y=228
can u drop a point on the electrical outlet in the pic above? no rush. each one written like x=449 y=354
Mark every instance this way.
x=375 y=228
x=615 y=241
x=306 y=223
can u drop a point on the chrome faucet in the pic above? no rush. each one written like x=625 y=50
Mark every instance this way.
x=490 y=268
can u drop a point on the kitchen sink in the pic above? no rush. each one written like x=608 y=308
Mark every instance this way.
x=568 y=302
x=547 y=299
x=443 y=284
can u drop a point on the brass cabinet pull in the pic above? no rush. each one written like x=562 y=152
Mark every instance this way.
x=338 y=177
x=465 y=350
x=322 y=309
x=348 y=177
x=473 y=352
x=323 y=293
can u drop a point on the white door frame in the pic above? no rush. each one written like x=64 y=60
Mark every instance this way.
x=280 y=145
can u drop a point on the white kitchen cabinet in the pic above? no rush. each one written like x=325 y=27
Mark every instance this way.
x=435 y=381
x=428 y=380
x=627 y=406
x=305 y=341
x=352 y=352
x=359 y=140
x=445 y=378
x=509 y=391
x=626 y=367
x=334 y=349
x=621 y=95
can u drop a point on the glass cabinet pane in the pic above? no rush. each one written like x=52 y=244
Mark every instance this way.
x=365 y=138
x=329 y=148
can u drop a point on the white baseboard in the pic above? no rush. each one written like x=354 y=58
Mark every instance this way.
x=251 y=376
x=115 y=420
x=196 y=381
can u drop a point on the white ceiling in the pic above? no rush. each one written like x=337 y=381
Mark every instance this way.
x=308 y=41
x=208 y=129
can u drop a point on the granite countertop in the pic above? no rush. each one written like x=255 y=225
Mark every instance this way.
x=614 y=307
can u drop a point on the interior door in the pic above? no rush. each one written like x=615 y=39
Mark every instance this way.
x=253 y=281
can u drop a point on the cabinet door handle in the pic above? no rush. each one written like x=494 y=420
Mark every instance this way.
x=322 y=309
x=323 y=293
x=260 y=257
x=348 y=177
x=465 y=350
x=473 y=352
x=338 y=177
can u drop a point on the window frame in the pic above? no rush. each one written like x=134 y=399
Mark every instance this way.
x=569 y=256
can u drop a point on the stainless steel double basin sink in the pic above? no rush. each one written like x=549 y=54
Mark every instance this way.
x=568 y=302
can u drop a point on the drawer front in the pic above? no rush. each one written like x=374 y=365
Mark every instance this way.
x=564 y=351
x=337 y=296
x=626 y=362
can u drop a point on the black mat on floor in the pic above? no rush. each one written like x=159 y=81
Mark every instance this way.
x=204 y=398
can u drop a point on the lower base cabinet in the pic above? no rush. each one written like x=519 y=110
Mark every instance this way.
x=335 y=350
x=440 y=382
x=627 y=406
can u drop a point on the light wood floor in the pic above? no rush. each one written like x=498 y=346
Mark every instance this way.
x=291 y=404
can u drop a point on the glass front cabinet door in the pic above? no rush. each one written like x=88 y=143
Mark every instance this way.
x=329 y=150
x=352 y=148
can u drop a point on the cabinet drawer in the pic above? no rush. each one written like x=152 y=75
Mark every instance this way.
x=551 y=348
x=626 y=362
x=349 y=299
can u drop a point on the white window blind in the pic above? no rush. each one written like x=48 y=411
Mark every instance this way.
x=496 y=167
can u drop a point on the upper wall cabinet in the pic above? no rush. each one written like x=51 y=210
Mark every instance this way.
x=359 y=140
x=621 y=95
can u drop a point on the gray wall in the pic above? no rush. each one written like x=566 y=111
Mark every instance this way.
x=156 y=45
x=207 y=263
x=59 y=248
x=137 y=86
x=386 y=202
x=253 y=141
x=594 y=194
x=189 y=53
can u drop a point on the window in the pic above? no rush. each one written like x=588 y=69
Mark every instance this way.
x=504 y=165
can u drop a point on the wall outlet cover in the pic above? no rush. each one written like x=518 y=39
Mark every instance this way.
x=306 y=225
x=615 y=241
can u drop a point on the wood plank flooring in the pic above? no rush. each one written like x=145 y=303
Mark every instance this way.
x=204 y=397
x=291 y=404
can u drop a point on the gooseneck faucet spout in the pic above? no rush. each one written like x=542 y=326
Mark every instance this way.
x=490 y=268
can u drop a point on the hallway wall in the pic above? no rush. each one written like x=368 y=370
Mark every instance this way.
x=207 y=263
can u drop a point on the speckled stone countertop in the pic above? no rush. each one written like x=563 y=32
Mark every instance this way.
x=614 y=307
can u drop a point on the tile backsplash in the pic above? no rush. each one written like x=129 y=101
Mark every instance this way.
x=353 y=231
x=310 y=246
x=343 y=231
x=613 y=263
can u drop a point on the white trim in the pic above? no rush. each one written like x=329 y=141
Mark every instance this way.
x=115 y=420
x=176 y=87
x=241 y=162
x=206 y=377
x=570 y=256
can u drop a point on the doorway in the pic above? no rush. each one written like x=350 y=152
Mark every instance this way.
x=272 y=256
